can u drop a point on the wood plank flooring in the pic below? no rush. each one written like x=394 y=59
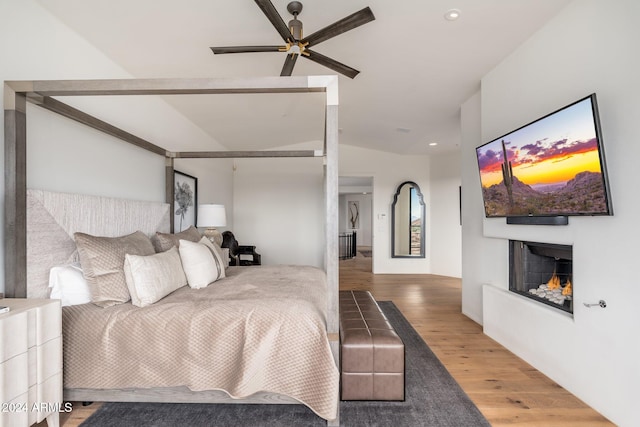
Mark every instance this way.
x=507 y=390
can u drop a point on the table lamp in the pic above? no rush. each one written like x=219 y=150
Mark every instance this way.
x=209 y=217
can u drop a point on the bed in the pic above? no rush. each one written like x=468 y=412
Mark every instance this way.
x=260 y=329
x=33 y=221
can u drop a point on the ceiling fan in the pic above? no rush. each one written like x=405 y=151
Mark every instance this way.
x=297 y=45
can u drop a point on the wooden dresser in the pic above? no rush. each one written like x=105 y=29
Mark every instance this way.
x=30 y=362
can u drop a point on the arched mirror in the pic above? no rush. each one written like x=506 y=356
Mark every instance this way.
x=408 y=222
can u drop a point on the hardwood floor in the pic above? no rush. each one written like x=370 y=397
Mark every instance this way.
x=507 y=390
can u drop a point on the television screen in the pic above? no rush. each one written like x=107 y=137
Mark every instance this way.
x=553 y=166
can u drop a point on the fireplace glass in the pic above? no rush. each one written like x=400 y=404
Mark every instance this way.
x=542 y=272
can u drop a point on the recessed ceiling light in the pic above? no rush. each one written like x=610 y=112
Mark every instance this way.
x=452 y=14
x=433 y=144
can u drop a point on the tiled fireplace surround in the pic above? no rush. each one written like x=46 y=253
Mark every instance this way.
x=533 y=264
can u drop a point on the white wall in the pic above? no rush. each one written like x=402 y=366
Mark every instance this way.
x=438 y=178
x=588 y=47
x=446 y=231
x=483 y=259
x=388 y=171
x=65 y=156
x=279 y=208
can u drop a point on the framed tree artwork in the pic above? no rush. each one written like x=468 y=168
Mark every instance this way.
x=354 y=214
x=186 y=201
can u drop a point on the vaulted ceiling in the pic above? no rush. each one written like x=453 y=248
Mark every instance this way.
x=416 y=67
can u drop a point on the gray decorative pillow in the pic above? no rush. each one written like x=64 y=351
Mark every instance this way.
x=102 y=261
x=165 y=241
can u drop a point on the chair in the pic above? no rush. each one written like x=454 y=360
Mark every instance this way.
x=238 y=253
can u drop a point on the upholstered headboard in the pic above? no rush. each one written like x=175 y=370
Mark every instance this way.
x=52 y=218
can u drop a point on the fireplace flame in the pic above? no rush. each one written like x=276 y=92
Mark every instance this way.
x=554 y=282
x=567 y=289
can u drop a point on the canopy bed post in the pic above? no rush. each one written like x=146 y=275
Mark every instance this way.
x=169 y=187
x=15 y=189
x=331 y=204
x=330 y=170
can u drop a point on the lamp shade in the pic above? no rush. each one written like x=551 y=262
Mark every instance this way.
x=212 y=216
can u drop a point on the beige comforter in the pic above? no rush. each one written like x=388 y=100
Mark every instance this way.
x=259 y=329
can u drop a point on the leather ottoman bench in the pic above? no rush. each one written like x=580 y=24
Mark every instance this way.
x=371 y=353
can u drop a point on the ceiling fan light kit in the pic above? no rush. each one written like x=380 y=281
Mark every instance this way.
x=297 y=45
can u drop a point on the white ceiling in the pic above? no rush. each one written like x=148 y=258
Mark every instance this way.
x=416 y=67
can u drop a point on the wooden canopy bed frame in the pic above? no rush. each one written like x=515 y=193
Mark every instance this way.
x=41 y=93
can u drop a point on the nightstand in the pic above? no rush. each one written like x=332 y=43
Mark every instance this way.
x=30 y=362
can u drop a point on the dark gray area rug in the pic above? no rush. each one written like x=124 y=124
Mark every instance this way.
x=433 y=398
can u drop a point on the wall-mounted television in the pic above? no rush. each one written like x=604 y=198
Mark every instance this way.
x=551 y=167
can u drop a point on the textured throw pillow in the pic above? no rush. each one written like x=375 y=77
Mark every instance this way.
x=153 y=277
x=199 y=263
x=217 y=254
x=165 y=241
x=102 y=261
x=69 y=285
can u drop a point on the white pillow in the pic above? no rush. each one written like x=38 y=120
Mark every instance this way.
x=152 y=277
x=69 y=285
x=199 y=263
x=217 y=253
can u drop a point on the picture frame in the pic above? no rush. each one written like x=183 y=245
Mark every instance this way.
x=354 y=214
x=186 y=201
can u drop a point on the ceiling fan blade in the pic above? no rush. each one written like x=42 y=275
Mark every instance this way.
x=345 y=24
x=276 y=20
x=331 y=63
x=245 y=49
x=287 y=68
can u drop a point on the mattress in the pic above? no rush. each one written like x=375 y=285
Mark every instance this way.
x=262 y=328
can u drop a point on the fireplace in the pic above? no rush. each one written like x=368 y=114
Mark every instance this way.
x=542 y=272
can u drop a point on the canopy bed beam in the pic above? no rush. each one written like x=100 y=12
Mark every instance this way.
x=246 y=154
x=72 y=113
x=171 y=86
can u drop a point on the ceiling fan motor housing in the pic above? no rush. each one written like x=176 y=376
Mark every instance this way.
x=295 y=27
x=294 y=8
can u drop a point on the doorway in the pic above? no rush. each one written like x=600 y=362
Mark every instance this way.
x=355 y=209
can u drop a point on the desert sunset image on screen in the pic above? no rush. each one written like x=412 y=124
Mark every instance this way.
x=552 y=166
